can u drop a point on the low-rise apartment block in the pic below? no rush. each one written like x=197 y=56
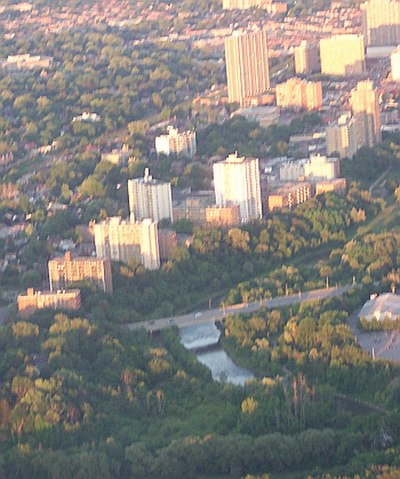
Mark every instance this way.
x=61 y=299
x=64 y=272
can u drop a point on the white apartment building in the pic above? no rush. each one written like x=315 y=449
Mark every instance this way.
x=176 y=143
x=122 y=240
x=149 y=198
x=237 y=182
x=321 y=168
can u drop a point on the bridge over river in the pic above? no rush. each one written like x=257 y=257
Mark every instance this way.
x=218 y=314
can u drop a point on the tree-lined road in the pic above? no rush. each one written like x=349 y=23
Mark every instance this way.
x=211 y=315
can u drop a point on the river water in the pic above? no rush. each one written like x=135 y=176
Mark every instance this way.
x=203 y=339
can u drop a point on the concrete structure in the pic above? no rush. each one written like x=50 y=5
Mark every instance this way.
x=223 y=215
x=265 y=116
x=149 y=198
x=247 y=68
x=381 y=22
x=341 y=137
x=364 y=102
x=315 y=168
x=299 y=94
x=237 y=182
x=291 y=170
x=337 y=185
x=384 y=306
x=122 y=240
x=306 y=58
x=66 y=271
x=176 y=143
x=321 y=168
x=33 y=300
x=192 y=208
x=289 y=195
x=395 y=64
x=342 y=55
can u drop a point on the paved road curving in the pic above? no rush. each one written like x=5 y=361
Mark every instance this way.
x=211 y=315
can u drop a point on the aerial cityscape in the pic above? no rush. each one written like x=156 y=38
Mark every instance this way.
x=200 y=239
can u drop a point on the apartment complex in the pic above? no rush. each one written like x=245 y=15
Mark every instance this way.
x=381 y=22
x=341 y=137
x=306 y=58
x=315 y=168
x=298 y=94
x=247 y=69
x=66 y=271
x=124 y=240
x=176 y=143
x=342 y=55
x=33 y=300
x=364 y=102
x=338 y=185
x=289 y=195
x=237 y=182
x=149 y=198
x=223 y=215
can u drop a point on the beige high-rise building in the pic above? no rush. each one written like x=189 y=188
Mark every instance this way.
x=122 y=240
x=66 y=271
x=306 y=58
x=247 y=69
x=381 y=22
x=341 y=137
x=149 y=198
x=395 y=64
x=237 y=182
x=364 y=102
x=342 y=55
x=299 y=94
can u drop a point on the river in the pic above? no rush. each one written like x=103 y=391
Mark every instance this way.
x=203 y=339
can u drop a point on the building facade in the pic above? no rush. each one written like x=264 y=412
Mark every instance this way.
x=299 y=94
x=64 y=272
x=237 y=182
x=223 y=215
x=289 y=195
x=176 y=143
x=149 y=198
x=33 y=300
x=364 y=102
x=341 y=137
x=122 y=240
x=247 y=68
x=381 y=22
x=342 y=55
x=306 y=58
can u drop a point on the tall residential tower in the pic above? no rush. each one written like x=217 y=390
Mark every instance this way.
x=247 y=69
x=364 y=102
x=149 y=198
x=237 y=182
x=381 y=22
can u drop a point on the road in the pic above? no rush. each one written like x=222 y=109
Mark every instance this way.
x=211 y=315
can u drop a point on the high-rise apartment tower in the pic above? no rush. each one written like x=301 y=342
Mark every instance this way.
x=247 y=69
x=149 y=198
x=364 y=102
x=237 y=182
x=342 y=55
x=381 y=22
